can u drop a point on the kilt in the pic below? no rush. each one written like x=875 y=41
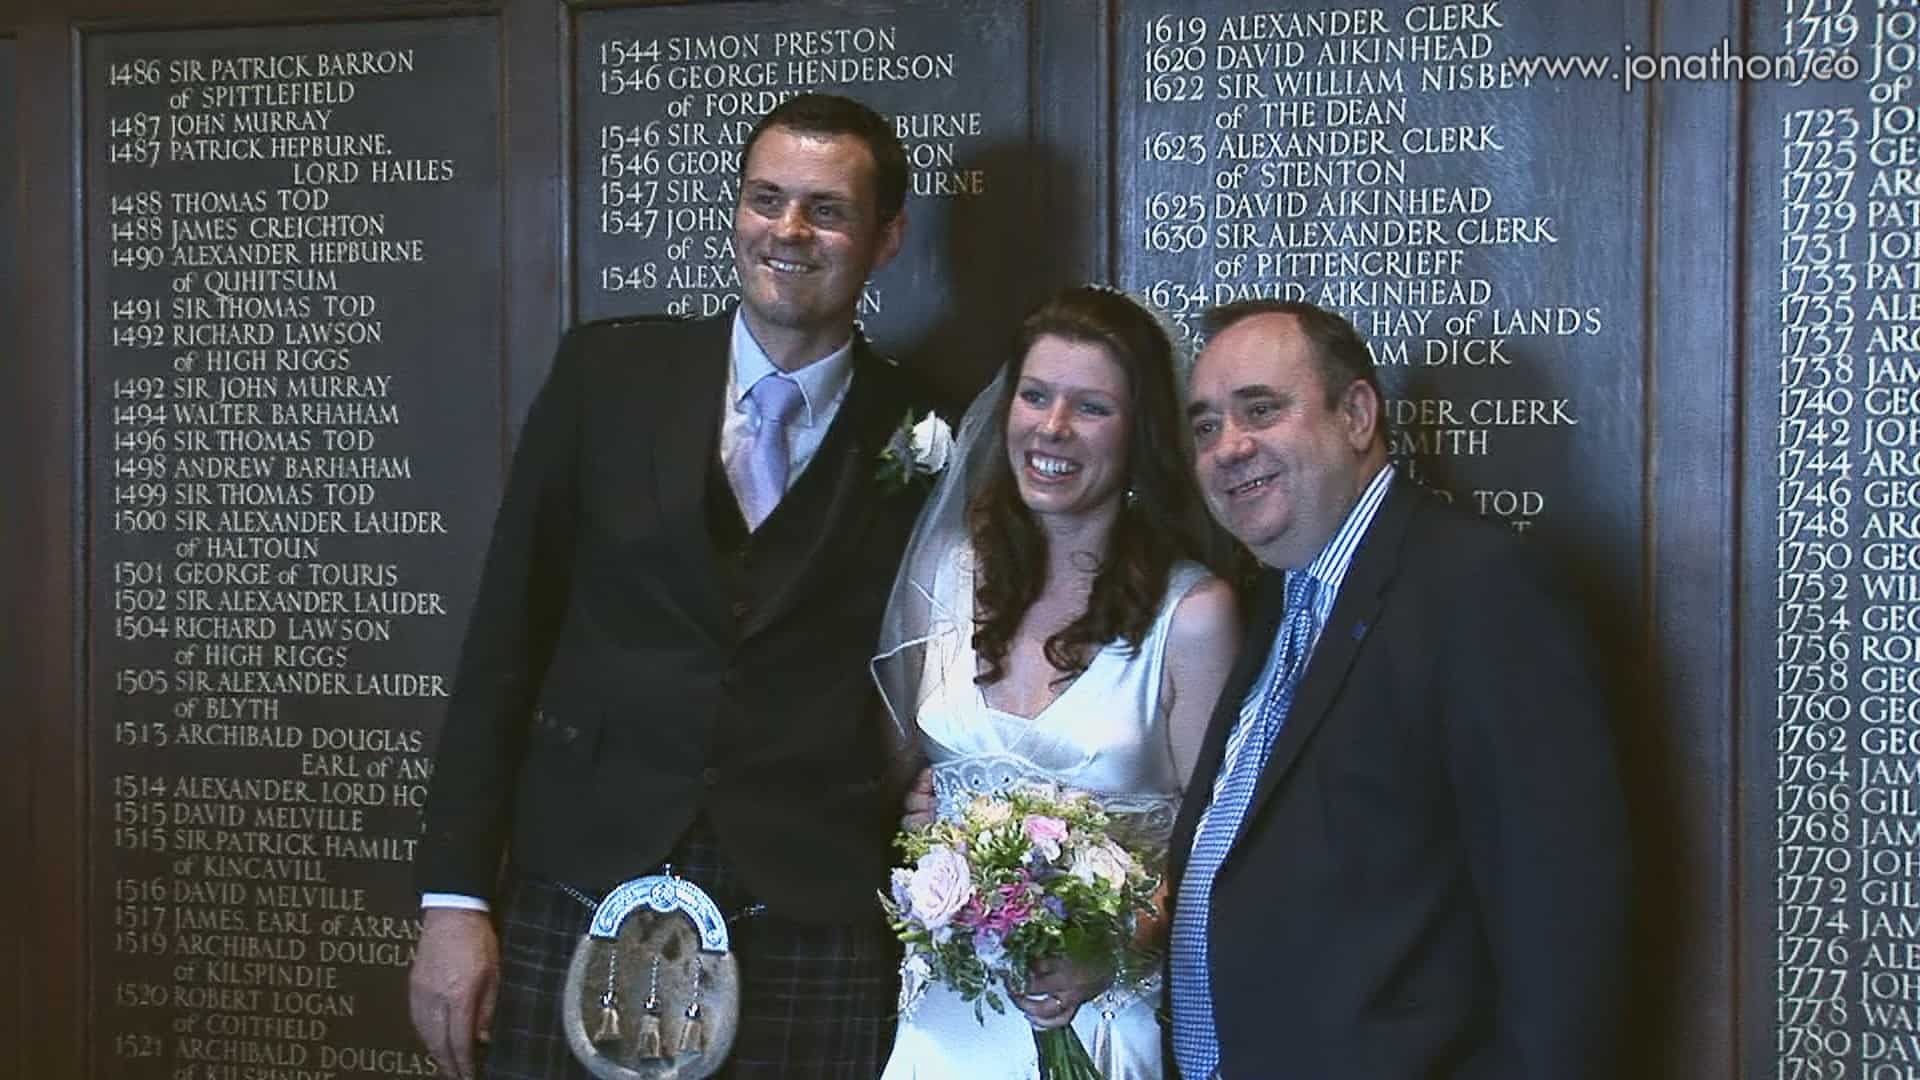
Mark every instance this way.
x=817 y=1002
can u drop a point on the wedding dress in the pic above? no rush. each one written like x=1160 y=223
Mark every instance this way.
x=1105 y=734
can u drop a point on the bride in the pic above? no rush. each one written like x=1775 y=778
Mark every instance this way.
x=1046 y=626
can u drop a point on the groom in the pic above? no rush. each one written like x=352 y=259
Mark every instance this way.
x=667 y=660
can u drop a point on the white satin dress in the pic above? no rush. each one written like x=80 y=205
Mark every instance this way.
x=1105 y=734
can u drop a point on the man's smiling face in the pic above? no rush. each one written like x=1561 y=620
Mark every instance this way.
x=806 y=235
x=1280 y=460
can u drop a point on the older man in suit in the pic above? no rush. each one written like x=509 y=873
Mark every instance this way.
x=667 y=661
x=1402 y=855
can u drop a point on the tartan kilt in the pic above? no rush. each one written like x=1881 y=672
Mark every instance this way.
x=817 y=1002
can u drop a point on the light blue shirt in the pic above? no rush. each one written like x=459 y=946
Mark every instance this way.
x=823 y=386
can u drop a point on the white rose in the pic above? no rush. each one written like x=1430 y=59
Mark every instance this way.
x=941 y=885
x=932 y=444
x=1105 y=860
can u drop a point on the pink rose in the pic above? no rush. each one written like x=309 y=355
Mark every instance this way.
x=941 y=884
x=1046 y=833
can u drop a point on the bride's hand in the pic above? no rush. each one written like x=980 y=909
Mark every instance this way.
x=1056 y=988
x=919 y=803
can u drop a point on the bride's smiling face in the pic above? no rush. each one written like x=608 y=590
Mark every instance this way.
x=1067 y=428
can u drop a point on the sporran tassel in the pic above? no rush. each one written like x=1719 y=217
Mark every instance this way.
x=649 y=1038
x=609 y=1029
x=693 y=1037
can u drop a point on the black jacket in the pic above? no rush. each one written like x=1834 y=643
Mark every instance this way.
x=635 y=659
x=1431 y=880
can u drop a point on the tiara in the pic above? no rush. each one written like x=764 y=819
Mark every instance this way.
x=1182 y=338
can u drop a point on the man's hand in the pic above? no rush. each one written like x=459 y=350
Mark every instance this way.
x=1056 y=988
x=456 y=971
x=919 y=804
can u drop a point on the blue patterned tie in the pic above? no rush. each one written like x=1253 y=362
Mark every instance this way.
x=1251 y=742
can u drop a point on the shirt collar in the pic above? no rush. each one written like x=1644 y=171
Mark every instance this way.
x=1330 y=567
x=820 y=382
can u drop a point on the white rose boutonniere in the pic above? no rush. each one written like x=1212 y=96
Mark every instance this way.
x=916 y=453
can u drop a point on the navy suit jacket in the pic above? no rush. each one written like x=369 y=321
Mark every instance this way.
x=1431 y=878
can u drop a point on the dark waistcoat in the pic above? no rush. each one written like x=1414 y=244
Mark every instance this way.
x=694 y=670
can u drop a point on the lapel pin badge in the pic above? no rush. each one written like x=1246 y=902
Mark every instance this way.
x=1359 y=630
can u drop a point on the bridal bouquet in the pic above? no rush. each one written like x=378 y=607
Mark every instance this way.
x=1026 y=875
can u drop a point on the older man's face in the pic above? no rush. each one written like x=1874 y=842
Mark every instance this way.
x=1280 y=468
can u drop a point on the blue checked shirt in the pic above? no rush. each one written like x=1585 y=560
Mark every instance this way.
x=1196 y=1047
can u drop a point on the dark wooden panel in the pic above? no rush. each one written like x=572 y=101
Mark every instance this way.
x=666 y=96
x=535 y=306
x=1072 y=129
x=14 y=739
x=9 y=199
x=1486 y=231
x=1678 y=744
x=228 y=12
x=1680 y=254
x=1484 y=235
x=294 y=354
x=41 y=444
x=1829 y=603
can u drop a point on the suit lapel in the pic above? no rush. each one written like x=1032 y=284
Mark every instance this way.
x=687 y=437
x=1361 y=596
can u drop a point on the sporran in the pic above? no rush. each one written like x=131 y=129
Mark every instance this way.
x=653 y=992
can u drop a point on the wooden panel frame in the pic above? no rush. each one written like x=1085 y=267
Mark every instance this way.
x=1679 y=748
x=42 y=488
x=1680 y=751
x=14 y=734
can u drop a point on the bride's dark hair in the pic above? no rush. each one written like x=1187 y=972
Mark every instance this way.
x=1158 y=516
